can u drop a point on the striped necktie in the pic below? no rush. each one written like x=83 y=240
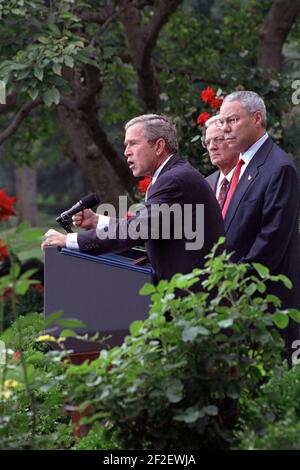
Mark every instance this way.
x=223 y=192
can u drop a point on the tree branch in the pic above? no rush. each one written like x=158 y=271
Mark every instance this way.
x=19 y=117
x=273 y=33
x=161 y=16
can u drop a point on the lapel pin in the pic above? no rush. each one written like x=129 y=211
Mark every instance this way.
x=249 y=177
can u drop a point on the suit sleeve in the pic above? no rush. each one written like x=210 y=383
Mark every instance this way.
x=279 y=217
x=122 y=233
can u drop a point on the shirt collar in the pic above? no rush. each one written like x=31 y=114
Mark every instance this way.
x=247 y=156
x=156 y=173
x=228 y=176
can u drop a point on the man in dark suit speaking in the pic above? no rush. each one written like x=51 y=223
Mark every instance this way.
x=151 y=150
x=261 y=211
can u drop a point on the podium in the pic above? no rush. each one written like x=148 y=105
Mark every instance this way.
x=102 y=291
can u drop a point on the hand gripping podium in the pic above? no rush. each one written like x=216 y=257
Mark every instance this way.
x=102 y=291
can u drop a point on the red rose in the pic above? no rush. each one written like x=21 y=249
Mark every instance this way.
x=202 y=118
x=216 y=102
x=6 y=203
x=207 y=95
x=144 y=183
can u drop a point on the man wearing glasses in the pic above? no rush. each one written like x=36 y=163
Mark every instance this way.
x=262 y=206
x=222 y=157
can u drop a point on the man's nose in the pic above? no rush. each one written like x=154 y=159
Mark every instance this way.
x=211 y=144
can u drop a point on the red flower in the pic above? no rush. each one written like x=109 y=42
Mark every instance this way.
x=7 y=294
x=202 y=118
x=3 y=250
x=207 y=95
x=38 y=287
x=16 y=356
x=144 y=183
x=6 y=203
x=216 y=102
x=128 y=215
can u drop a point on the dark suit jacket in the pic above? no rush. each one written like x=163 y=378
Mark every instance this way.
x=213 y=180
x=262 y=219
x=178 y=182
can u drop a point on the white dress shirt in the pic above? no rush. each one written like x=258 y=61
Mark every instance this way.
x=249 y=154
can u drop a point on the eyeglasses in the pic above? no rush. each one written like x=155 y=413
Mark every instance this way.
x=214 y=141
x=231 y=121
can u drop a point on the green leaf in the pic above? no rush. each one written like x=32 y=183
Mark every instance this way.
x=261 y=269
x=294 y=314
x=210 y=410
x=38 y=73
x=195 y=139
x=56 y=68
x=190 y=415
x=273 y=299
x=33 y=93
x=281 y=320
x=174 y=391
x=190 y=333
x=22 y=287
x=67 y=333
x=285 y=280
x=51 y=96
x=28 y=273
x=69 y=61
x=71 y=323
x=53 y=317
x=15 y=270
x=135 y=327
x=225 y=323
x=147 y=289
x=55 y=30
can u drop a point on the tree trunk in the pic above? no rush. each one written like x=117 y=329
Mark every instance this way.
x=86 y=142
x=273 y=33
x=26 y=185
x=82 y=148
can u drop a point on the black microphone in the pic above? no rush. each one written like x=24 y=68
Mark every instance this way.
x=86 y=202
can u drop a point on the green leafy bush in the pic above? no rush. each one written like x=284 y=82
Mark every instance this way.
x=177 y=384
x=271 y=420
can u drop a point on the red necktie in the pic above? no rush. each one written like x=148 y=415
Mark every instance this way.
x=234 y=182
x=223 y=191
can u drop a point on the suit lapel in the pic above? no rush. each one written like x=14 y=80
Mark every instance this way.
x=213 y=180
x=247 y=180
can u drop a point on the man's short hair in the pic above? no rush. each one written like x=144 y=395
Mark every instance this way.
x=157 y=126
x=250 y=101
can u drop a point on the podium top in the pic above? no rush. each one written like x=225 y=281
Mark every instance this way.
x=124 y=260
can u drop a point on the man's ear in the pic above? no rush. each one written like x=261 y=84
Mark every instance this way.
x=160 y=146
x=258 y=118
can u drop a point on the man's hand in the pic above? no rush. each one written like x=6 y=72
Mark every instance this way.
x=54 y=238
x=85 y=219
